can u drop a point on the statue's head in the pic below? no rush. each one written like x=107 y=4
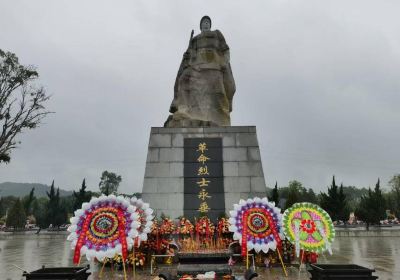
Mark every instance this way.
x=205 y=23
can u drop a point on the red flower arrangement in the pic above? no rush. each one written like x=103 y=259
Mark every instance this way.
x=185 y=226
x=223 y=226
x=204 y=226
x=154 y=227
x=167 y=226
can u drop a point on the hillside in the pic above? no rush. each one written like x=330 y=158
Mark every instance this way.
x=22 y=189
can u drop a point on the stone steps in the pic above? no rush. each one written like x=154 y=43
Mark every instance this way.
x=203 y=258
x=194 y=269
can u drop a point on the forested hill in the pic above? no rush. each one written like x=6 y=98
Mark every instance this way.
x=22 y=189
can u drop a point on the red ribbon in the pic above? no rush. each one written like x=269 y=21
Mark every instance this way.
x=273 y=228
x=244 y=233
x=82 y=238
x=136 y=242
x=122 y=236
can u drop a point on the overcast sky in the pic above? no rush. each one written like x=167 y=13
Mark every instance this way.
x=319 y=79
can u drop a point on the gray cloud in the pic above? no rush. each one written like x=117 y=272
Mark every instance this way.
x=319 y=80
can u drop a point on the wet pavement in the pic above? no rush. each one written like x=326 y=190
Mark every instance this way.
x=31 y=251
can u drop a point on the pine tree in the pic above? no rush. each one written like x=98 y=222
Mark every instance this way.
x=28 y=202
x=343 y=211
x=81 y=196
x=275 y=195
x=308 y=195
x=293 y=193
x=362 y=211
x=371 y=209
x=2 y=208
x=52 y=205
x=16 y=216
x=379 y=205
x=56 y=213
x=330 y=201
x=40 y=211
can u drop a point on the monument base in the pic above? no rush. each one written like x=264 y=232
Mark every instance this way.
x=163 y=185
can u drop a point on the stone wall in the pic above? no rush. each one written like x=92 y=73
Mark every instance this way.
x=163 y=180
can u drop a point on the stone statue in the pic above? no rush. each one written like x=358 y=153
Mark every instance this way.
x=204 y=86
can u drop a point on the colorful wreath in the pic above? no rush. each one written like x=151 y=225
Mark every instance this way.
x=257 y=223
x=309 y=227
x=185 y=226
x=145 y=217
x=204 y=226
x=104 y=227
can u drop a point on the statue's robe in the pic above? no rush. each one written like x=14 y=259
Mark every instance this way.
x=204 y=86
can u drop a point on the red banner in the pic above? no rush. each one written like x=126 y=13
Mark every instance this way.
x=244 y=233
x=122 y=235
x=82 y=238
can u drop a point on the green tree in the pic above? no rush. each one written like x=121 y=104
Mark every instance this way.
x=137 y=194
x=334 y=202
x=364 y=207
x=109 y=182
x=293 y=193
x=275 y=195
x=40 y=211
x=308 y=196
x=283 y=193
x=395 y=194
x=353 y=196
x=56 y=214
x=28 y=202
x=52 y=206
x=21 y=102
x=2 y=208
x=81 y=196
x=66 y=206
x=16 y=217
x=130 y=195
x=343 y=211
x=379 y=206
x=7 y=203
x=371 y=209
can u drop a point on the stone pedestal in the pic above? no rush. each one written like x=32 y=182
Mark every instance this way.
x=163 y=185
